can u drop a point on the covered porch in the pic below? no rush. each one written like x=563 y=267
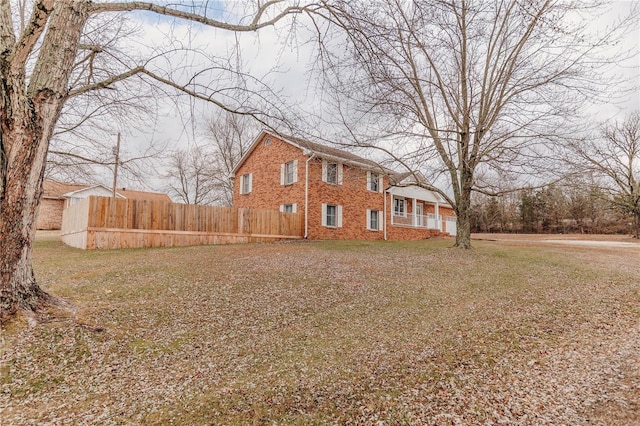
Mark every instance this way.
x=415 y=207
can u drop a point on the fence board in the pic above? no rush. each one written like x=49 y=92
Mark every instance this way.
x=102 y=222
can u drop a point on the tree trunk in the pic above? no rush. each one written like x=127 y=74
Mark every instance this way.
x=463 y=211
x=18 y=210
x=28 y=115
x=463 y=225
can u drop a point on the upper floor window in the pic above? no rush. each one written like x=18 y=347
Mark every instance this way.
x=246 y=183
x=332 y=172
x=373 y=182
x=289 y=173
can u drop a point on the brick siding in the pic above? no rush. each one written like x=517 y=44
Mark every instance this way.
x=50 y=214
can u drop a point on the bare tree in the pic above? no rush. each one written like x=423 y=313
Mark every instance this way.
x=615 y=157
x=190 y=176
x=38 y=57
x=202 y=173
x=231 y=136
x=467 y=92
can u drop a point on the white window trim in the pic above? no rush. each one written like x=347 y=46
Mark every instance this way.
x=283 y=173
x=380 y=219
x=242 y=182
x=338 y=215
x=339 y=172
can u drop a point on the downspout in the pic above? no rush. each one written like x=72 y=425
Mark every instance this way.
x=385 y=215
x=306 y=196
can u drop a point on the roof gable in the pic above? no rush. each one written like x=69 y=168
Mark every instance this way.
x=96 y=190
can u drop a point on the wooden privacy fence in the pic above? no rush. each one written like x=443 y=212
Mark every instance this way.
x=105 y=223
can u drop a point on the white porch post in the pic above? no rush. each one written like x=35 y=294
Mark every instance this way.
x=438 y=219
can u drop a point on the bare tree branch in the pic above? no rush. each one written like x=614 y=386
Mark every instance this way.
x=255 y=24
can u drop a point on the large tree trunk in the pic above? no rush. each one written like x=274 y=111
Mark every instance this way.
x=28 y=114
x=463 y=223
x=18 y=210
x=463 y=210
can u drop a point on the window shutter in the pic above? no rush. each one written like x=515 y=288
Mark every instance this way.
x=368 y=216
x=380 y=221
x=368 y=182
x=282 y=173
x=295 y=171
x=324 y=215
x=250 y=182
x=241 y=191
x=339 y=216
x=281 y=208
x=380 y=183
x=295 y=208
x=324 y=170
x=339 y=174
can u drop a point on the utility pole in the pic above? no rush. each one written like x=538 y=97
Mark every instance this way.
x=116 y=153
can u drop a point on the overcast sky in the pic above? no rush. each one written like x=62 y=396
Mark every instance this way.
x=280 y=59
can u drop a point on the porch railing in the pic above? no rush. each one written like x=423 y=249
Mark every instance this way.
x=427 y=221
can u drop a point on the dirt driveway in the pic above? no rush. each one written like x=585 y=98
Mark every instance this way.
x=591 y=240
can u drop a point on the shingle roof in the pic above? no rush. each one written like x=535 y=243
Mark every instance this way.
x=143 y=195
x=321 y=150
x=313 y=148
x=55 y=189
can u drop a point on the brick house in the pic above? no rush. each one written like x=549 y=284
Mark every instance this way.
x=58 y=195
x=342 y=195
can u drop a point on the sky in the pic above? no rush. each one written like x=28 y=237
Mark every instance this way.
x=279 y=58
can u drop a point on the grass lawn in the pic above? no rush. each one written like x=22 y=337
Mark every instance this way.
x=330 y=333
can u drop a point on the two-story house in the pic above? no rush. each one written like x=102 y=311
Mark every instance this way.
x=342 y=196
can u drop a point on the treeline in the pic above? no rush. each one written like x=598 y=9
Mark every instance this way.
x=552 y=209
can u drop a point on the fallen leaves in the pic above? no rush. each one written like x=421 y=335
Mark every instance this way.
x=331 y=333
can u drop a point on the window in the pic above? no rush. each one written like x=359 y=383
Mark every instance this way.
x=373 y=182
x=374 y=220
x=289 y=208
x=267 y=142
x=246 y=183
x=332 y=173
x=289 y=173
x=399 y=207
x=332 y=215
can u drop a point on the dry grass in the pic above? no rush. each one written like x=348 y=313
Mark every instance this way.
x=330 y=333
